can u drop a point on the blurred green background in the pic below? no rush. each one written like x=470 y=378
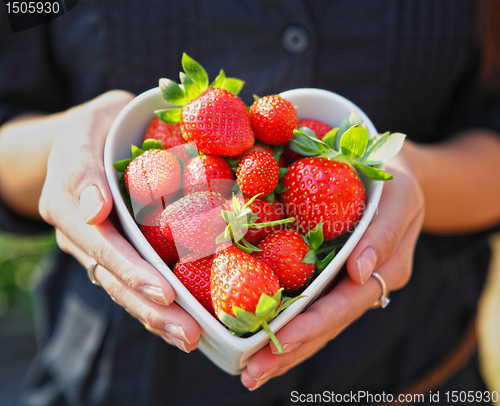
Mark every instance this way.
x=19 y=257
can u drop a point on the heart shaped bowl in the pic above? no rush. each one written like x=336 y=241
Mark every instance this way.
x=227 y=351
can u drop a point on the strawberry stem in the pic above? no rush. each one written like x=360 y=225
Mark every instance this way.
x=273 y=338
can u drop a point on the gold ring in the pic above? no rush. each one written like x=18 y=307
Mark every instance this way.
x=90 y=272
x=384 y=298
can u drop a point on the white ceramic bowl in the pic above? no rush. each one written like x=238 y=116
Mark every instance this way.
x=226 y=350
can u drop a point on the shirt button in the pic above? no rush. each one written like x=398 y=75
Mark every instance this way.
x=295 y=39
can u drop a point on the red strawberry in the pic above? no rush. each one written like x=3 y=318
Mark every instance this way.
x=284 y=251
x=212 y=117
x=162 y=242
x=319 y=128
x=153 y=177
x=261 y=148
x=273 y=119
x=319 y=190
x=217 y=123
x=326 y=189
x=195 y=221
x=266 y=212
x=238 y=279
x=245 y=292
x=194 y=273
x=257 y=173
x=170 y=136
x=208 y=172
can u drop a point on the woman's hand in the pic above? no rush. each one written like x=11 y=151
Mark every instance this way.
x=76 y=200
x=386 y=247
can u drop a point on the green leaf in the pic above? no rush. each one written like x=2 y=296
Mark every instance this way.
x=250 y=246
x=321 y=265
x=172 y=92
x=171 y=116
x=280 y=188
x=384 y=148
x=195 y=71
x=121 y=166
x=333 y=154
x=354 y=141
x=190 y=88
x=219 y=81
x=282 y=172
x=306 y=143
x=287 y=301
x=266 y=307
x=309 y=258
x=329 y=138
x=315 y=237
x=277 y=151
x=270 y=197
x=234 y=85
x=136 y=151
x=191 y=150
x=232 y=323
x=373 y=173
x=353 y=118
x=151 y=143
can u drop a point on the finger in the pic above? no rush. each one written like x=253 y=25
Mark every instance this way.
x=400 y=204
x=160 y=320
x=83 y=166
x=171 y=322
x=104 y=244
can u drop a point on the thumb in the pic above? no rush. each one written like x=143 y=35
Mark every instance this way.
x=86 y=179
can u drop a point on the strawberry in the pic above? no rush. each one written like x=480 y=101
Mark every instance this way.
x=258 y=173
x=170 y=136
x=273 y=119
x=326 y=189
x=262 y=148
x=208 y=172
x=319 y=128
x=162 y=242
x=217 y=123
x=319 y=190
x=212 y=117
x=245 y=292
x=195 y=221
x=285 y=253
x=194 y=273
x=152 y=175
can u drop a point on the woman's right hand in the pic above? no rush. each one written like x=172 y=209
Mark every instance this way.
x=77 y=201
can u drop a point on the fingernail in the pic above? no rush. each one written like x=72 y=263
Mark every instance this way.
x=155 y=294
x=366 y=264
x=91 y=202
x=257 y=386
x=267 y=372
x=288 y=347
x=178 y=343
x=176 y=331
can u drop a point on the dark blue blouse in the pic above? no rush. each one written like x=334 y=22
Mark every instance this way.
x=412 y=66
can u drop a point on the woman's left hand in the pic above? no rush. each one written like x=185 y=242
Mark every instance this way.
x=387 y=247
